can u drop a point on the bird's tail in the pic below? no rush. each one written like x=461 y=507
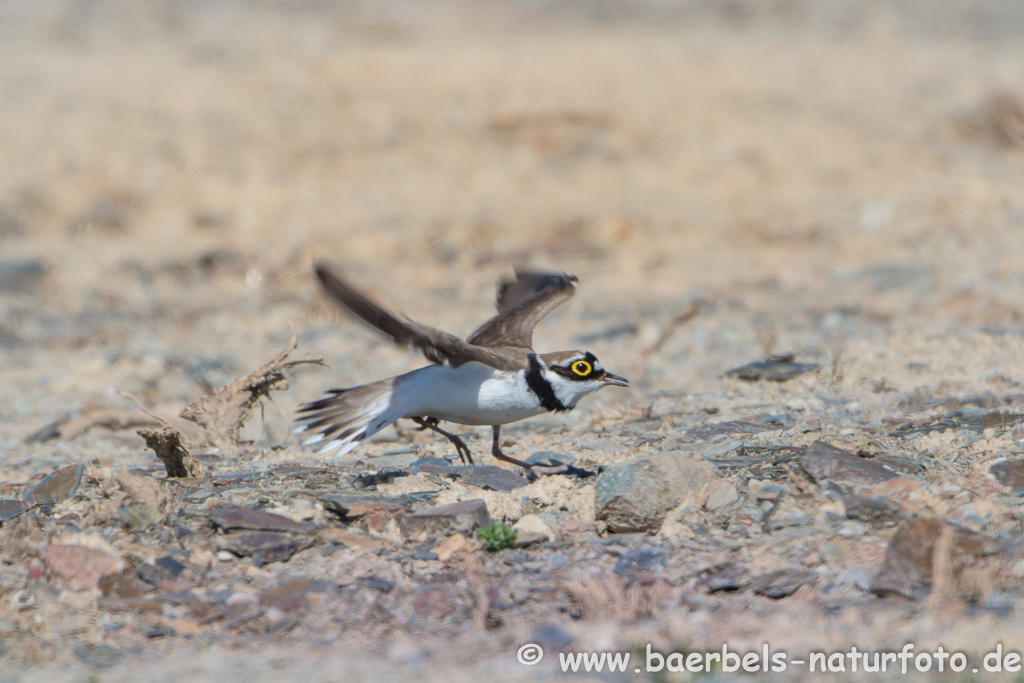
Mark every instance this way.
x=345 y=417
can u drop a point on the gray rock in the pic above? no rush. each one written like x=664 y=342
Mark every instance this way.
x=462 y=517
x=57 y=486
x=721 y=493
x=637 y=495
x=551 y=637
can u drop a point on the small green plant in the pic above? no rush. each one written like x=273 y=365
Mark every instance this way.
x=497 y=536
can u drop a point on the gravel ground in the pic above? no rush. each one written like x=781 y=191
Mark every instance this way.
x=835 y=187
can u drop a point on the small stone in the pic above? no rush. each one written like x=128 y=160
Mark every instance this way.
x=825 y=463
x=728 y=579
x=456 y=543
x=551 y=458
x=9 y=509
x=551 y=637
x=529 y=538
x=425 y=554
x=705 y=432
x=240 y=608
x=138 y=516
x=835 y=551
x=641 y=564
x=80 y=567
x=780 y=583
x=910 y=558
x=1010 y=473
x=238 y=517
x=291 y=594
x=99 y=655
x=21 y=275
x=352 y=538
x=462 y=517
x=263 y=546
x=171 y=565
x=534 y=526
x=721 y=493
x=58 y=486
x=342 y=503
x=491 y=478
x=773 y=369
x=638 y=494
x=858 y=577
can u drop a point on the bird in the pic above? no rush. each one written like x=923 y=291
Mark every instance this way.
x=493 y=377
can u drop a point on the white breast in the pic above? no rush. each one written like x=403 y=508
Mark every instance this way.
x=472 y=394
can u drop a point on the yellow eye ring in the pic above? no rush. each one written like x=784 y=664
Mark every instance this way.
x=581 y=368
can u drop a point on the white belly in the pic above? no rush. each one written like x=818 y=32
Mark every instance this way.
x=472 y=394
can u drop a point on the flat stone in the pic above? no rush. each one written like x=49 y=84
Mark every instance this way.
x=873 y=509
x=780 y=583
x=462 y=517
x=9 y=509
x=99 y=655
x=705 y=432
x=358 y=540
x=910 y=559
x=858 y=576
x=638 y=494
x=551 y=637
x=827 y=464
x=58 y=486
x=529 y=538
x=1010 y=473
x=80 y=567
x=342 y=503
x=773 y=369
x=721 y=494
x=238 y=517
x=532 y=525
x=491 y=477
x=264 y=546
x=291 y=595
x=641 y=564
x=551 y=458
x=728 y=579
x=21 y=275
x=137 y=516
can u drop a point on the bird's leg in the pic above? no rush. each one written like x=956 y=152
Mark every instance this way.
x=496 y=452
x=460 y=446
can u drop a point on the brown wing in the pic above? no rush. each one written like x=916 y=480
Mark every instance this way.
x=522 y=303
x=439 y=347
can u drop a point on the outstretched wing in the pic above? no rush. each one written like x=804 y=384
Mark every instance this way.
x=439 y=347
x=522 y=303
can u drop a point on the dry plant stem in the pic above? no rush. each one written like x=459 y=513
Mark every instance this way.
x=688 y=314
x=167 y=445
x=223 y=414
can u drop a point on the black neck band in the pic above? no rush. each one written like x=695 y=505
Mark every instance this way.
x=542 y=388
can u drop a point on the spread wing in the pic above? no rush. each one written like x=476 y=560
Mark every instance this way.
x=522 y=303
x=439 y=347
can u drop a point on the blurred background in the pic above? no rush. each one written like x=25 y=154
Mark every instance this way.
x=841 y=179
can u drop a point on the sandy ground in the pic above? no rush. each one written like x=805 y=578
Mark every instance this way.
x=840 y=182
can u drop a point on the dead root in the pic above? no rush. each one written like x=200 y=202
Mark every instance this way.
x=223 y=414
x=166 y=443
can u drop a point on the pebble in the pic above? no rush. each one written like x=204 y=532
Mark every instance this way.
x=721 y=493
x=58 y=486
x=462 y=517
x=535 y=526
x=835 y=551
